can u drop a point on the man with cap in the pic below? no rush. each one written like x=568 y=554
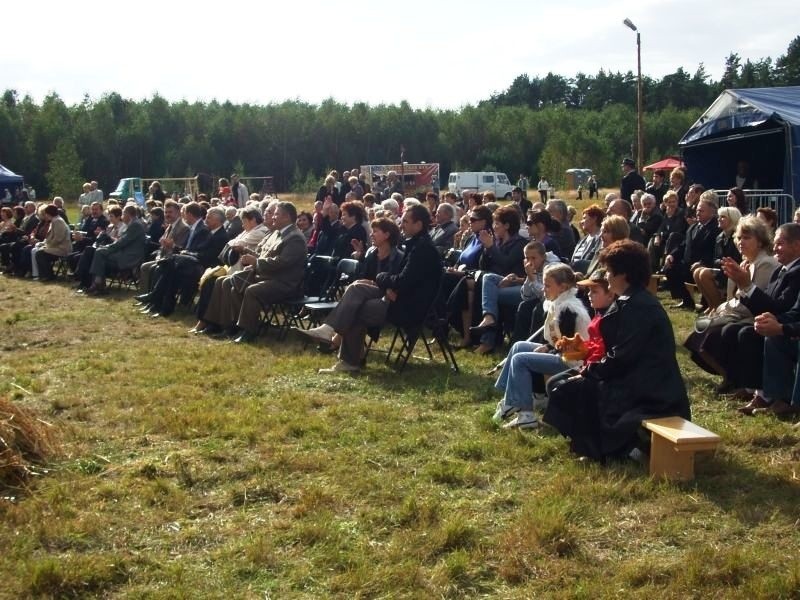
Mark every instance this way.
x=631 y=180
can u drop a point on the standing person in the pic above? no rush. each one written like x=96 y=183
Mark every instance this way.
x=593 y=187
x=85 y=199
x=156 y=191
x=96 y=192
x=239 y=193
x=519 y=200
x=544 y=189
x=522 y=184
x=631 y=180
x=393 y=185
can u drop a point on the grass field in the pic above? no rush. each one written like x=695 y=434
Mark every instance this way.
x=194 y=468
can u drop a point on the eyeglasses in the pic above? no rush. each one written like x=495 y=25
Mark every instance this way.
x=530 y=222
x=474 y=219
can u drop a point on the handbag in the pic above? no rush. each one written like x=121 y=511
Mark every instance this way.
x=705 y=325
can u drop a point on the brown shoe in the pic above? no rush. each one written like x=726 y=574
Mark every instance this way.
x=756 y=403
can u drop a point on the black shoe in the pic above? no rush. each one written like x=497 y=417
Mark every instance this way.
x=481 y=329
x=147 y=309
x=143 y=298
x=726 y=387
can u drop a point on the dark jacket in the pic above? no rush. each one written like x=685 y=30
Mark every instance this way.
x=698 y=246
x=329 y=233
x=637 y=379
x=130 y=248
x=207 y=248
x=370 y=265
x=505 y=258
x=631 y=182
x=89 y=226
x=342 y=246
x=780 y=295
x=324 y=191
x=416 y=284
x=647 y=224
x=442 y=236
x=725 y=247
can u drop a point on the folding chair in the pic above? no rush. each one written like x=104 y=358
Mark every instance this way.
x=433 y=329
x=346 y=272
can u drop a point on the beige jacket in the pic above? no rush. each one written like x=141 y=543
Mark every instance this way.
x=59 y=240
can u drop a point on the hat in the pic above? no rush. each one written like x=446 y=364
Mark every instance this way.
x=596 y=278
x=629 y=162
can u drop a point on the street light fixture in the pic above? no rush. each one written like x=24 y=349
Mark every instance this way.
x=639 y=127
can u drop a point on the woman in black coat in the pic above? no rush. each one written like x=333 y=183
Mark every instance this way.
x=601 y=409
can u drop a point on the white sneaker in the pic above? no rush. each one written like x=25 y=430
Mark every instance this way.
x=523 y=420
x=502 y=412
x=341 y=367
x=323 y=333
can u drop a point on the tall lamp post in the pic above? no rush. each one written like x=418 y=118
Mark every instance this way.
x=639 y=127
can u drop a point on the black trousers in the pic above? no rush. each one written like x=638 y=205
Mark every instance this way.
x=742 y=355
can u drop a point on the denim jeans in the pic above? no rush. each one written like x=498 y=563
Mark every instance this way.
x=516 y=378
x=492 y=296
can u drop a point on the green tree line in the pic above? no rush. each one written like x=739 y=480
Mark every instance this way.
x=56 y=146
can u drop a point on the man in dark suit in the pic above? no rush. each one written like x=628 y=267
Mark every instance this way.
x=181 y=271
x=780 y=374
x=696 y=250
x=402 y=299
x=125 y=253
x=658 y=187
x=631 y=180
x=742 y=347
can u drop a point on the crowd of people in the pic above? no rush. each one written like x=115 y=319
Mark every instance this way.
x=589 y=343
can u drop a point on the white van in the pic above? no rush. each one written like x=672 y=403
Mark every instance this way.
x=481 y=181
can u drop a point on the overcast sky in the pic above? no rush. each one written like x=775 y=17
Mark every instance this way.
x=441 y=54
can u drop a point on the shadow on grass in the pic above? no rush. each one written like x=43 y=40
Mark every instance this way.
x=751 y=496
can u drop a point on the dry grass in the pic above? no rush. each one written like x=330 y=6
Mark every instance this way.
x=26 y=444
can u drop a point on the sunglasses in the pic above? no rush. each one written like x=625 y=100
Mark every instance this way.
x=530 y=222
x=474 y=219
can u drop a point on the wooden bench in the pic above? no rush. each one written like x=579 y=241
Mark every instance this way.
x=673 y=443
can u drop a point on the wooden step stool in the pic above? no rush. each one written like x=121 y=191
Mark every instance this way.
x=673 y=442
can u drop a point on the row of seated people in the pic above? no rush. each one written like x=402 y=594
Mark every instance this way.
x=32 y=236
x=401 y=287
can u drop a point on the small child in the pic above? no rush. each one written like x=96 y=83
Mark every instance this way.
x=565 y=316
x=593 y=349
